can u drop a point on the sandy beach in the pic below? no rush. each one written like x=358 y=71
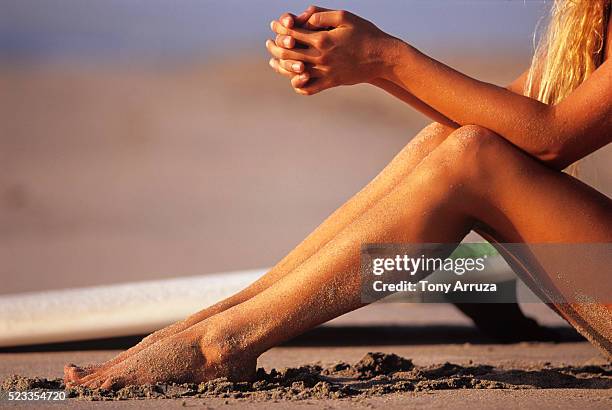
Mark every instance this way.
x=115 y=174
x=568 y=374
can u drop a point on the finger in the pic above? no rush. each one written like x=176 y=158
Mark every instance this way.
x=302 y=19
x=313 y=87
x=299 y=81
x=299 y=34
x=287 y=19
x=274 y=63
x=304 y=55
x=284 y=41
x=292 y=65
x=327 y=19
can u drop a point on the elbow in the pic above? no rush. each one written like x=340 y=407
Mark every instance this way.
x=552 y=152
x=554 y=158
x=555 y=155
x=547 y=155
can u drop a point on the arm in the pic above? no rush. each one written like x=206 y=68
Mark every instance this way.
x=400 y=93
x=299 y=76
x=559 y=134
x=356 y=51
x=403 y=95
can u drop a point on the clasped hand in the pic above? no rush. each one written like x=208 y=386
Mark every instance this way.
x=321 y=49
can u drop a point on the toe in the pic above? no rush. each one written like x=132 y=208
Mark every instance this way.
x=68 y=371
x=73 y=373
x=90 y=377
x=69 y=366
x=113 y=383
x=94 y=380
x=94 y=384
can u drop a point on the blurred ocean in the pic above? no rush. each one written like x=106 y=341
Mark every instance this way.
x=164 y=29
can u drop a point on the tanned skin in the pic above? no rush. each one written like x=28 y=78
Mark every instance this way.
x=487 y=147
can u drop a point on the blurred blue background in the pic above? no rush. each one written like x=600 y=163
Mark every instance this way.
x=149 y=139
x=162 y=29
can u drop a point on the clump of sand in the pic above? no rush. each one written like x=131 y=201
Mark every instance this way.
x=375 y=374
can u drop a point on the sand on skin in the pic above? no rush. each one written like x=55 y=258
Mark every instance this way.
x=157 y=128
x=570 y=374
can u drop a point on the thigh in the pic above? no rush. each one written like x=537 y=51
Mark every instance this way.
x=518 y=199
x=565 y=228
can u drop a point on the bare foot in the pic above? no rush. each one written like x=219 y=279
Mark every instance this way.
x=78 y=375
x=202 y=352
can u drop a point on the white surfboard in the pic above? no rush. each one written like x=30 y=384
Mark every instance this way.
x=113 y=310
x=130 y=308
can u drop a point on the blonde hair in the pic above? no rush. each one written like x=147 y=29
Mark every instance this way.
x=569 y=51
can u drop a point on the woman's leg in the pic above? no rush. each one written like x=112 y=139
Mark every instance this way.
x=403 y=163
x=473 y=176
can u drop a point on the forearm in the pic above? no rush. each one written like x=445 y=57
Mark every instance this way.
x=403 y=95
x=356 y=51
x=525 y=122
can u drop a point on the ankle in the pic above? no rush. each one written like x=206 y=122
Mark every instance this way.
x=227 y=349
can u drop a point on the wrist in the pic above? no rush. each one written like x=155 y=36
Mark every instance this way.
x=395 y=52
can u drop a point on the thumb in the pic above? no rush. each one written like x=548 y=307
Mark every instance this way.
x=328 y=19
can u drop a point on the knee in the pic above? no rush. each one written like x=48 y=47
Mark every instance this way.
x=458 y=166
x=468 y=153
x=472 y=139
x=428 y=139
x=435 y=128
x=472 y=147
